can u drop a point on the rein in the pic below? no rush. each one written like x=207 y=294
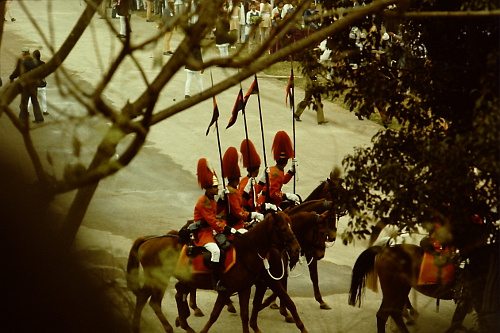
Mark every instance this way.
x=268 y=268
x=158 y=236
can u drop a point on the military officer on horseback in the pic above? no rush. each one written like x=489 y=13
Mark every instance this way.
x=205 y=213
x=249 y=187
x=236 y=216
x=282 y=151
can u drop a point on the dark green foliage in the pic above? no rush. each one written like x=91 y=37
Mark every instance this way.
x=442 y=86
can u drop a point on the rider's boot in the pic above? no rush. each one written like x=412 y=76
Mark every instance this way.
x=216 y=276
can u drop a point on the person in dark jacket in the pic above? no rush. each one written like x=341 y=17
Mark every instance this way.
x=41 y=86
x=123 y=8
x=29 y=91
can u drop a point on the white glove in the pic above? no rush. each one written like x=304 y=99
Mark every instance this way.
x=250 y=185
x=256 y=216
x=295 y=164
x=242 y=231
x=292 y=197
x=269 y=206
x=233 y=231
x=262 y=178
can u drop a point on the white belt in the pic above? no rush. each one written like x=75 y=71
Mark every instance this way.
x=266 y=15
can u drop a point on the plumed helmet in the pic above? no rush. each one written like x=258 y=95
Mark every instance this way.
x=206 y=176
x=282 y=147
x=251 y=159
x=230 y=164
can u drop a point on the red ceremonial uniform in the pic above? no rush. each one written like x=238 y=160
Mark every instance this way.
x=237 y=214
x=249 y=199
x=206 y=210
x=277 y=178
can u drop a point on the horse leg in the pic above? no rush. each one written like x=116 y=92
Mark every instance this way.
x=398 y=319
x=260 y=290
x=155 y=304
x=193 y=305
x=392 y=305
x=278 y=288
x=182 y=306
x=283 y=312
x=244 y=298
x=313 y=274
x=462 y=309
x=141 y=300
x=230 y=306
x=409 y=313
x=221 y=301
x=270 y=301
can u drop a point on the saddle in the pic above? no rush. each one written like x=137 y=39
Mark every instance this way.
x=437 y=266
x=196 y=259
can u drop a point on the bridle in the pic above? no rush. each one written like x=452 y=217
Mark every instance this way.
x=316 y=244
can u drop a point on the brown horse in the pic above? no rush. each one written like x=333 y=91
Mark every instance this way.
x=329 y=189
x=159 y=256
x=397 y=268
x=312 y=232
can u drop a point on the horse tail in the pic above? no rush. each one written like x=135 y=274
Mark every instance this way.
x=133 y=280
x=364 y=266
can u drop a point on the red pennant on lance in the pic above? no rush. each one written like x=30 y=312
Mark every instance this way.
x=289 y=90
x=238 y=105
x=215 y=116
x=254 y=89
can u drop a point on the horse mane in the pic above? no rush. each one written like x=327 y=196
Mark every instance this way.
x=310 y=206
x=317 y=193
x=301 y=220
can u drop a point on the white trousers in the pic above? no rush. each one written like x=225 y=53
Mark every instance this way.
x=42 y=99
x=223 y=49
x=123 y=25
x=190 y=74
x=214 y=250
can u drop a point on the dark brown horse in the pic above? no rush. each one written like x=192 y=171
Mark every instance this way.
x=158 y=257
x=398 y=269
x=311 y=230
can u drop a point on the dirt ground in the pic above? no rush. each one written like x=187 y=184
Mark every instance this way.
x=158 y=190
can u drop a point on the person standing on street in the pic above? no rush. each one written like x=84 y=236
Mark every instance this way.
x=193 y=70
x=166 y=20
x=29 y=90
x=8 y=11
x=312 y=96
x=41 y=85
x=123 y=8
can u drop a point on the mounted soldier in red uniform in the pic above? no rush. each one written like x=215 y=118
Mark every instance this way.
x=282 y=151
x=236 y=216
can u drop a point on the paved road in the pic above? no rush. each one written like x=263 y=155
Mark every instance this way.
x=157 y=191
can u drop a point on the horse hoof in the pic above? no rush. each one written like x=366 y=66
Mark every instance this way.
x=289 y=319
x=177 y=322
x=324 y=306
x=410 y=322
x=274 y=306
x=231 y=309
x=198 y=313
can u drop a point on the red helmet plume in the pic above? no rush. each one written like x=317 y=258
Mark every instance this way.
x=206 y=176
x=230 y=164
x=251 y=158
x=282 y=146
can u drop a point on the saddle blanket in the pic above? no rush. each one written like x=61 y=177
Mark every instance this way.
x=430 y=273
x=197 y=266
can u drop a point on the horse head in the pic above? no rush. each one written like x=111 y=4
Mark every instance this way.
x=283 y=237
x=312 y=231
x=330 y=220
